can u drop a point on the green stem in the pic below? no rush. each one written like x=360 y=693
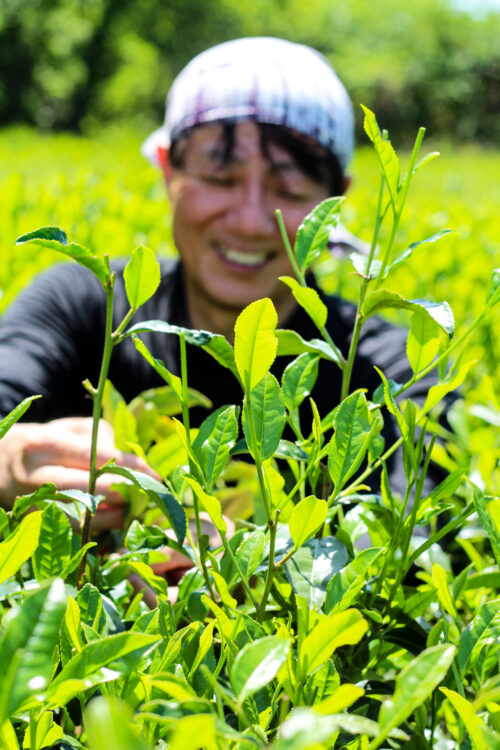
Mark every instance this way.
x=256 y=457
x=273 y=527
x=33 y=724
x=302 y=281
x=242 y=576
x=96 y=415
x=358 y=323
x=404 y=195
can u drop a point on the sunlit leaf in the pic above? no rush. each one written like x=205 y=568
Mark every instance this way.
x=313 y=233
x=312 y=567
x=257 y=664
x=440 y=312
x=331 y=632
x=349 y=442
x=414 y=685
x=255 y=343
x=385 y=152
x=309 y=300
x=16 y=414
x=109 y=726
x=422 y=344
x=215 y=439
x=290 y=343
x=20 y=545
x=475 y=630
x=349 y=581
x=55 y=239
x=470 y=719
x=141 y=276
x=307 y=517
x=268 y=410
x=210 y=503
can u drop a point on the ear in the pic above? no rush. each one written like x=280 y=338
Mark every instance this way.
x=162 y=156
x=347 y=182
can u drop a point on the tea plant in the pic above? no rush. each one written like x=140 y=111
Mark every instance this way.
x=292 y=633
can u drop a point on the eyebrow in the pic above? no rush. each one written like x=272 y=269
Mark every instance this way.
x=282 y=164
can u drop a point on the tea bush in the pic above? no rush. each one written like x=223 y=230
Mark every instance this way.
x=292 y=633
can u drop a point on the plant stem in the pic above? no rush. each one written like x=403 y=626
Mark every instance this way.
x=96 y=415
x=358 y=323
x=302 y=281
x=273 y=527
x=242 y=576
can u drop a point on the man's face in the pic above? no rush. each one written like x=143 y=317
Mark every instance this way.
x=224 y=220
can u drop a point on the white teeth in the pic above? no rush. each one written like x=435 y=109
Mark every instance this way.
x=243 y=259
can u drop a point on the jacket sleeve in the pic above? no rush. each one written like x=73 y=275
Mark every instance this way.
x=48 y=343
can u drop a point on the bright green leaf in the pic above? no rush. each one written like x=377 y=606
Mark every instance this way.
x=385 y=152
x=210 y=503
x=255 y=343
x=307 y=518
x=331 y=632
x=313 y=233
x=54 y=547
x=141 y=276
x=309 y=300
x=268 y=410
x=477 y=629
x=422 y=344
x=299 y=379
x=20 y=545
x=349 y=442
x=257 y=664
x=312 y=567
x=16 y=414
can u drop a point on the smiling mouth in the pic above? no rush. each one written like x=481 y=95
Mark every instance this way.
x=243 y=259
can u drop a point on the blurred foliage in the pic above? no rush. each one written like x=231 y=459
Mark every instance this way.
x=73 y=64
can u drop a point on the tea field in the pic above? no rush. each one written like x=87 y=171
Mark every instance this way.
x=105 y=196
x=281 y=627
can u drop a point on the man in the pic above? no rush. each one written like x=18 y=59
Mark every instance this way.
x=251 y=126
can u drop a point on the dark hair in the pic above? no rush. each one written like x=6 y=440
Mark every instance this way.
x=311 y=158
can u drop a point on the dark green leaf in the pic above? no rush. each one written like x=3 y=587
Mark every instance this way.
x=55 y=239
x=477 y=629
x=345 y=585
x=313 y=233
x=299 y=379
x=349 y=442
x=16 y=414
x=54 y=546
x=213 y=343
x=481 y=502
x=157 y=492
x=290 y=343
x=268 y=410
x=312 y=566
x=214 y=442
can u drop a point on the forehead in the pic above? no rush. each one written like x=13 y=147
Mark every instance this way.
x=208 y=143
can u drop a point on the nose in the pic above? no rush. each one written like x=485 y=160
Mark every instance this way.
x=253 y=213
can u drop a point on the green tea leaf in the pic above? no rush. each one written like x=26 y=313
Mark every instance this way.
x=422 y=344
x=210 y=503
x=481 y=502
x=55 y=239
x=215 y=439
x=313 y=233
x=438 y=392
x=213 y=343
x=109 y=726
x=193 y=732
x=493 y=293
x=20 y=545
x=440 y=312
x=41 y=618
x=312 y=567
x=141 y=276
x=290 y=343
x=304 y=729
x=331 y=632
x=255 y=343
x=16 y=414
x=105 y=659
x=472 y=722
x=54 y=547
x=345 y=585
x=172 y=380
x=157 y=492
x=307 y=518
x=410 y=250
x=250 y=552
x=268 y=409
x=257 y=664
x=414 y=685
x=299 y=379
x=349 y=442
x=475 y=630
x=440 y=582
x=385 y=152
x=309 y=300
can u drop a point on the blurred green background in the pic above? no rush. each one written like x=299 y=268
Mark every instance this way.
x=73 y=64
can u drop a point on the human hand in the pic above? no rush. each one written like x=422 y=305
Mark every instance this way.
x=59 y=452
